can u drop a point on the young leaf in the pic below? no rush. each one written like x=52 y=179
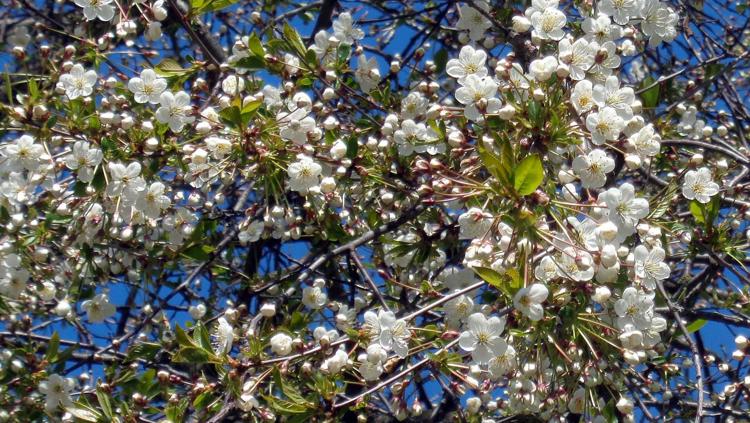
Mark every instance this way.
x=696 y=325
x=170 y=67
x=292 y=37
x=528 y=175
x=650 y=97
x=255 y=45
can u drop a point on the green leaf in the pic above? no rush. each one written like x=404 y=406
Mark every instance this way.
x=170 y=67
x=104 y=403
x=199 y=252
x=193 y=355
x=292 y=37
x=343 y=52
x=696 y=325
x=696 y=209
x=707 y=213
x=251 y=63
x=659 y=204
x=528 y=175
x=248 y=110
x=175 y=412
x=33 y=89
x=8 y=87
x=99 y=182
x=231 y=116
x=490 y=276
x=507 y=283
x=440 y=59
x=297 y=322
x=204 y=6
x=84 y=413
x=201 y=337
x=182 y=338
x=282 y=406
x=289 y=390
x=712 y=70
x=255 y=45
x=534 y=110
x=499 y=167
x=712 y=209
x=650 y=97
x=352 y=147
x=145 y=350
x=79 y=188
x=52 y=347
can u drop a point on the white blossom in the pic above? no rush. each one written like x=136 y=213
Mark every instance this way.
x=148 y=87
x=345 y=30
x=223 y=336
x=593 y=168
x=93 y=9
x=175 y=110
x=304 y=174
x=699 y=185
x=98 y=308
x=78 y=82
x=529 y=301
x=469 y=62
x=482 y=337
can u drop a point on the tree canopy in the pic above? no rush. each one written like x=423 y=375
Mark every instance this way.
x=340 y=210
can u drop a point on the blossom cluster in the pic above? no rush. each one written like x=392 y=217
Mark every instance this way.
x=489 y=225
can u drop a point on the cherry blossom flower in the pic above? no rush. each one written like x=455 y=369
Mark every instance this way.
x=281 y=344
x=482 y=337
x=304 y=174
x=529 y=301
x=548 y=24
x=93 y=9
x=475 y=223
x=611 y=95
x=83 y=160
x=579 y=56
x=367 y=73
x=620 y=10
x=699 y=185
x=147 y=88
x=605 y=125
x=469 y=62
x=650 y=267
x=478 y=95
x=625 y=210
x=175 y=110
x=391 y=333
x=646 y=142
x=78 y=82
x=125 y=181
x=593 y=168
x=223 y=335
x=576 y=264
x=98 y=308
x=583 y=96
x=152 y=200
x=600 y=29
x=471 y=19
x=634 y=308
x=57 y=390
x=344 y=29
x=25 y=153
x=658 y=22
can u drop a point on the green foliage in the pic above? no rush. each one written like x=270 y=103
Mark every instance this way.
x=198 y=7
x=650 y=97
x=528 y=175
x=507 y=283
